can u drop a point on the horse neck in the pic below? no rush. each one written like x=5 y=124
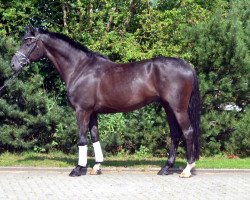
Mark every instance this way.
x=64 y=57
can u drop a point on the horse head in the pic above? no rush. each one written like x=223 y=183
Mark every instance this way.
x=30 y=50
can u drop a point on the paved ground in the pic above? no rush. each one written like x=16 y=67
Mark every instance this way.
x=129 y=185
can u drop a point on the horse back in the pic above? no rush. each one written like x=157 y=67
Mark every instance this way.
x=125 y=87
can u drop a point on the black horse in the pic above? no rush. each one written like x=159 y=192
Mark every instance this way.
x=96 y=85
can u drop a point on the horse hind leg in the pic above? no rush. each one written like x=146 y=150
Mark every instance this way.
x=187 y=130
x=175 y=133
x=93 y=127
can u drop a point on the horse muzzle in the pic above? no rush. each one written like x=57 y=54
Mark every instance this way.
x=16 y=64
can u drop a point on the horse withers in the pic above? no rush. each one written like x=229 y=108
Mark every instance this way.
x=96 y=85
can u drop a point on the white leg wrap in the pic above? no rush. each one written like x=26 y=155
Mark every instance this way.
x=186 y=173
x=98 y=152
x=189 y=167
x=97 y=166
x=83 y=155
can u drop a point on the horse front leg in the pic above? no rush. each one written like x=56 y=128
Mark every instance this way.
x=93 y=127
x=83 y=118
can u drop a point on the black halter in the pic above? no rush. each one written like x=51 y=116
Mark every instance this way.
x=24 y=59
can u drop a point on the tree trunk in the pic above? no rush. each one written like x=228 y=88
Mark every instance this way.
x=148 y=7
x=132 y=9
x=109 y=24
x=65 y=13
x=90 y=12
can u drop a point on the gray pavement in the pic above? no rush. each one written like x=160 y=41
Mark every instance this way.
x=50 y=183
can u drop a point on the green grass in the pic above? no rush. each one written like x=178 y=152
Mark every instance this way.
x=58 y=159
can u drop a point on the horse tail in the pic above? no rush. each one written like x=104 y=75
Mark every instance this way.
x=194 y=112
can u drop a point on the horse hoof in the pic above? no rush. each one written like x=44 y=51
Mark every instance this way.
x=185 y=175
x=78 y=171
x=163 y=171
x=96 y=172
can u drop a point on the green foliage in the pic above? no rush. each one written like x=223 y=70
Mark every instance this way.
x=239 y=141
x=30 y=118
x=213 y=35
x=143 y=153
x=216 y=130
x=220 y=52
x=111 y=129
x=131 y=131
x=147 y=127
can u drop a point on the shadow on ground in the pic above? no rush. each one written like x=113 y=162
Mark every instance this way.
x=143 y=163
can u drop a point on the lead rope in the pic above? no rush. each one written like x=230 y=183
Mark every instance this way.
x=9 y=81
x=26 y=61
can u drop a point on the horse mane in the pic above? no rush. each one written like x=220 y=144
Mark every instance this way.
x=72 y=43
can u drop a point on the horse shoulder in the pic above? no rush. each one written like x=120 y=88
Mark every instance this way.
x=82 y=89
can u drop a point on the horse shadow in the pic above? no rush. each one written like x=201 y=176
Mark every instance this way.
x=130 y=163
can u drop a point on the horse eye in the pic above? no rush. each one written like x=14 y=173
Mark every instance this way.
x=28 y=43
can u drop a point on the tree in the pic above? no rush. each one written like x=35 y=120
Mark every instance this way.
x=220 y=52
x=30 y=118
x=213 y=35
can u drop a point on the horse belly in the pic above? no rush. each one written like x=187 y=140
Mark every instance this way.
x=127 y=97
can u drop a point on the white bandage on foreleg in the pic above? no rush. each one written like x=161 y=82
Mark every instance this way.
x=98 y=152
x=83 y=155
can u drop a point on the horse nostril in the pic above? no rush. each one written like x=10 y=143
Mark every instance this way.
x=12 y=65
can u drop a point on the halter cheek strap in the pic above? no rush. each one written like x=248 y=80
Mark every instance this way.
x=24 y=59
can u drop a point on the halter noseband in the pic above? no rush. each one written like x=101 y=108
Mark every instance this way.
x=24 y=59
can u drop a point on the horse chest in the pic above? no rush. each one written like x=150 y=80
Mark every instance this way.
x=82 y=95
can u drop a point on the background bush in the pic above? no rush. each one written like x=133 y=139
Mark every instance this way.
x=212 y=35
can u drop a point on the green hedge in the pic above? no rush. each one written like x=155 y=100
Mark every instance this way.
x=34 y=114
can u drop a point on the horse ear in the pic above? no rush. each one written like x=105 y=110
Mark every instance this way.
x=31 y=29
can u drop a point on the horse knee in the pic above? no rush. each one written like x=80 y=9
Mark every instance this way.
x=94 y=134
x=82 y=141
